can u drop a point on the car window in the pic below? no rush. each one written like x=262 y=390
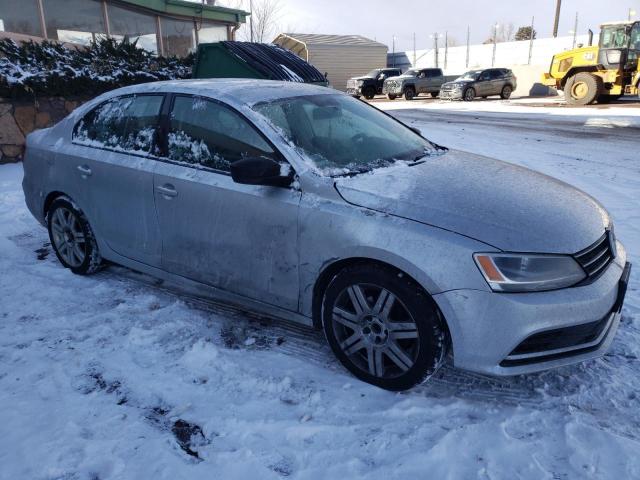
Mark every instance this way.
x=207 y=133
x=486 y=75
x=124 y=123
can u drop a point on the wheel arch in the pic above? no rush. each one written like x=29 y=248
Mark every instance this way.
x=575 y=70
x=49 y=199
x=332 y=269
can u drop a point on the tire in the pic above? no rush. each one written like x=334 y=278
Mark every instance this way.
x=608 y=98
x=484 y=97
x=369 y=93
x=409 y=93
x=506 y=92
x=391 y=97
x=369 y=313
x=583 y=89
x=435 y=94
x=469 y=94
x=72 y=238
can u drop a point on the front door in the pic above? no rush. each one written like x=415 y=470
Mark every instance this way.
x=112 y=146
x=239 y=238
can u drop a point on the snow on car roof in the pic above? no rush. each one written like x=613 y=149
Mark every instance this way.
x=235 y=91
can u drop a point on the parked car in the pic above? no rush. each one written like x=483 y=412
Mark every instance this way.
x=414 y=82
x=301 y=202
x=481 y=83
x=370 y=85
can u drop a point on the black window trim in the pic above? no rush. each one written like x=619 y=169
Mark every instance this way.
x=164 y=131
x=118 y=97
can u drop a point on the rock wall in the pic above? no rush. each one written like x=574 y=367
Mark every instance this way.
x=19 y=117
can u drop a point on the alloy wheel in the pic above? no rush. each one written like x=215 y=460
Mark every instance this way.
x=68 y=237
x=375 y=330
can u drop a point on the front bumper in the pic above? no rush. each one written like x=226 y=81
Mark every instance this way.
x=515 y=333
x=354 y=91
x=451 y=94
x=392 y=89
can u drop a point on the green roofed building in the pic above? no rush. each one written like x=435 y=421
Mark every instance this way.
x=166 y=27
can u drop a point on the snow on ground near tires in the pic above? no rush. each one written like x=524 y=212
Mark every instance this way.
x=117 y=377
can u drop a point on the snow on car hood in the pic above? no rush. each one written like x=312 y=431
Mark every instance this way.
x=504 y=205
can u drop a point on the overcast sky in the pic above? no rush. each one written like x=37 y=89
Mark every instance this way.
x=382 y=19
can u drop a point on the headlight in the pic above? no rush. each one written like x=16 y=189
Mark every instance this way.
x=512 y=272
x=359 y=83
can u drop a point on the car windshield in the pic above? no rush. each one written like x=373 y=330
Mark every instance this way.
x=412 y=73
x=614 y=36
x=373 y=73
x=340 y=135
x=472 y=75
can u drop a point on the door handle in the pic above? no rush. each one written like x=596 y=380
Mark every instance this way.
x=167 y=190
x=84 y=170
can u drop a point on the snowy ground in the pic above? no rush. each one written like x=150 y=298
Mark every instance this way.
x=101 y=377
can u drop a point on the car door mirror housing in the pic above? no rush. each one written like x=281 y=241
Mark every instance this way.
x=261 y=171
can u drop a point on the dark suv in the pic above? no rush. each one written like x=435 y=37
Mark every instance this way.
x=480 y=83
x=370 y=85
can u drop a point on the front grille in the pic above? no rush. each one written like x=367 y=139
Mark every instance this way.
x=446 y=88
x=351 y=84
x=392 y=84
x=595 y=259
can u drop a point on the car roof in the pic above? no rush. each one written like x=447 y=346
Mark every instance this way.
x=235 y=91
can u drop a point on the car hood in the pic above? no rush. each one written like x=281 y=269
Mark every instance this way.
x=460 y=82
x=362 y=78
x=506 y=206
x=401 y=77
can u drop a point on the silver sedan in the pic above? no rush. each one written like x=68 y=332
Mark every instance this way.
x=303 y=203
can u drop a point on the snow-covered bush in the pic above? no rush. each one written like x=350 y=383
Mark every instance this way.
x=52 y=69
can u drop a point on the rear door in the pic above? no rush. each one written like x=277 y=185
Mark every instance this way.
x=240 y=238
x=435 y=79
x=113 y=146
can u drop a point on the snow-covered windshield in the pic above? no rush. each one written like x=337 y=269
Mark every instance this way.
x=341 y=135
x=472 y=75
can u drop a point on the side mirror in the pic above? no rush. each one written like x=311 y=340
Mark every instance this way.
x=261 y=171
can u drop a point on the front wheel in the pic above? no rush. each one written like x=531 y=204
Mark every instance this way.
x=409 y=94
x=72 y=238
x=383 y=327
x=391 y=97
x=469 y=94
x=369 y=93
x=583 y=89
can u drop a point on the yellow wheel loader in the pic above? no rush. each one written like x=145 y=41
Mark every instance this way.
x=599 y=73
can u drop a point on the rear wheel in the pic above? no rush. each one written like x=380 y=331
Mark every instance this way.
x=469 y=94
x=409 y=93
x=435 y=94
x=506 y=92
x=583 y=89
x=383 y=327
x=369 y=93
x=391 y=96
x=72 y=238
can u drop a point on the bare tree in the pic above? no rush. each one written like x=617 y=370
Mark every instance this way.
x=265 y=18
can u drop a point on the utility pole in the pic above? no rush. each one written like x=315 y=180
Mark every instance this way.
x=575 y=31
x=414 y=49
x=393 y=55
x=557 y=19
x=495 y=43
x=468 y=38
x=632 y=13
x=435 y=47
x=531 y=41
x=446 y=48
x=251 y=18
